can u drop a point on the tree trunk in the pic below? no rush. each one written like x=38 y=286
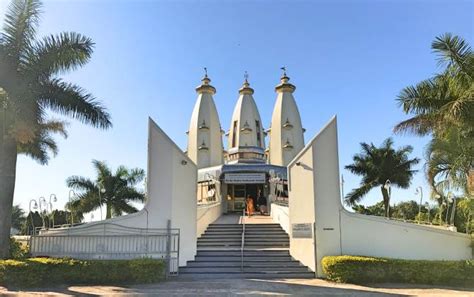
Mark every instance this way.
x=386 y=201
x=109 y=212
x=8 y=158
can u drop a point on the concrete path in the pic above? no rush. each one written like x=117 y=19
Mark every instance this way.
x=293 y=287
x=238 y=219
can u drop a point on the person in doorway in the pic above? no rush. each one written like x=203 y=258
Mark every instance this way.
x=262 y=203
x=250 y=206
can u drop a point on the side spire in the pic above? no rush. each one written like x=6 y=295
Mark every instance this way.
x=205 y=86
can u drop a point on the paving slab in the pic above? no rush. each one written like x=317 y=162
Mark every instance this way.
x=246 y=287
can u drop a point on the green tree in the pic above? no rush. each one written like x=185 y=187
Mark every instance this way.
x=18 y=217
x=376 y=165
x=115 y=190
x=30 y=88
x=443 y=106
x=449 y=161
x=445 y=100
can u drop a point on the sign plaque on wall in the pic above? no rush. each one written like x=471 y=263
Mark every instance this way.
x=302 y=230
x=244 y=178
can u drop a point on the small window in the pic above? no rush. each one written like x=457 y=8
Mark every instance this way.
x=234 y=132
x=259 y=137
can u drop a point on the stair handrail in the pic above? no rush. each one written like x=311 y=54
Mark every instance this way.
x=242 y=244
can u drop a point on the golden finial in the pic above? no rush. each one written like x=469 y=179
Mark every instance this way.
x=246 y=76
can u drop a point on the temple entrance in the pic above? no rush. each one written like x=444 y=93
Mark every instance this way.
x=237 y=193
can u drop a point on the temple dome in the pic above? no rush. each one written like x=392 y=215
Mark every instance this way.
x=204 y=135
x=286 y=133
x=246 y=141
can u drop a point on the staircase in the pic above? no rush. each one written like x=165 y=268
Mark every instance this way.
x=266 y=254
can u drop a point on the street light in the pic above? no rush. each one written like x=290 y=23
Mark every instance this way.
x=388 y=188
x=42 y=202
x=70 y=205
x=419 y=190
x=52 y=198
x=35 y=206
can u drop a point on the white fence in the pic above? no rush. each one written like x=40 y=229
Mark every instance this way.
x=159 y=244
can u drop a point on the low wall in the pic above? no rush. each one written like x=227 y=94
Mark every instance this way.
x=280 y=215
x=375 y=236
x=207 y=214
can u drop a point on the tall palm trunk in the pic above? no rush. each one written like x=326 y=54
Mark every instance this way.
x=8 y=159
x=108 y=215
x=386 y=201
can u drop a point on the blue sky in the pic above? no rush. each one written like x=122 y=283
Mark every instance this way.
x=349 y=58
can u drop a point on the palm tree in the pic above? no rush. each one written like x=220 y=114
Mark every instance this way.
x=376 y=165
x=449 y=161
x=115 y=190
x=30 y=88
x=445 y=100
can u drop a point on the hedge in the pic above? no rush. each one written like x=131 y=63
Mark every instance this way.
x=38 y=272
x=356 y=269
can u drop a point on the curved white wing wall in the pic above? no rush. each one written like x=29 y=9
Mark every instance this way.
x=171 y=188
x=314 y=199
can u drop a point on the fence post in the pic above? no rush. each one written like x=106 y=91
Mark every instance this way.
x=168 y=248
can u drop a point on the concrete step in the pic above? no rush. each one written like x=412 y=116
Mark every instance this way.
x=247 y=258
x=247 y=240
x=247 y=235
x=238 y=244
x=247 y=232
x=260 y=269
x=238 y=252
x=252 y=264
x=245 y=275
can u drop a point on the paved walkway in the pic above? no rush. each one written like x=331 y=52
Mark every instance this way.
x=238 y=219
x=241 y=287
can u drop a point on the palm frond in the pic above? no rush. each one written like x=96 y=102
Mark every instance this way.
x=75 y=102
x=453 y=50
x=21 y=21
x=60 y=53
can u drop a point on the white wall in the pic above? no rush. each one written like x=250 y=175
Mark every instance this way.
x=395 y=239
x=172 y=181
x=207 y=214
x=281 y=215
x=314 y=197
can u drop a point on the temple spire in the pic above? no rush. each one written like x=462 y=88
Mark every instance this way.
x=246 y=89
x=205 y=86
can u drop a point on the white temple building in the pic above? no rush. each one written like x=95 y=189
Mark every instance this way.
x=190 y=192
x=248 y=165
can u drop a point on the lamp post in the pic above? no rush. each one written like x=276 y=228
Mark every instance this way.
x=419 y=190
x=70 y=205
x=388 y=187
x=35 y=206
x=42 y=202
x=52 y=198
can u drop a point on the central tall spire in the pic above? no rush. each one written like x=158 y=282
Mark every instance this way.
x=246 y=140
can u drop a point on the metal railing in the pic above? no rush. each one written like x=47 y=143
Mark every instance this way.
x=242 y=244
x=157 y=244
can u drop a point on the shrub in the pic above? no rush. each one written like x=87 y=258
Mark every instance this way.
x=37 y=272
x=355 y=269
x=17 y=250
